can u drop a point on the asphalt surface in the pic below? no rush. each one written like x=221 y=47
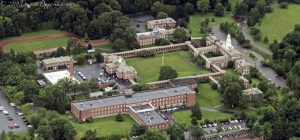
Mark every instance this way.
x=266 y=71
x=94 y=70
x=4 y=122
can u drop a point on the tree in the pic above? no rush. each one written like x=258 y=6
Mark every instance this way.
x=189 y=8
x=176 y=132
x=196 y=112
x=90 y=135
x=197 y=132
x=284 y=5
x=233 y=95
x=60 y=52
x=93 y=85
x=227 y=80
x=119 y=45
x=99 y=57
x=138 y=130
x=228 y=7
x=3 y=135
x=203 y=5
x=180 y=35
x=161 y=15
x=219 y=11
x=161 y=42
x=263 y=86
x=62 y=129
x=167 y=72
x=153 y=135
x=139 y=87
x=119 y=118
x=45 y=132
x=290 y=54
x=80 y=60
x=194 y=120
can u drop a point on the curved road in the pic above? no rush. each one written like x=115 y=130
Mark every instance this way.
x=266 y=71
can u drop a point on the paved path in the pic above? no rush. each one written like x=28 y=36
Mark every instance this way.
x=209 y=109
x=266 y=71
x=254 y=43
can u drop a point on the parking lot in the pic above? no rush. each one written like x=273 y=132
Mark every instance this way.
x=95 y=71
x=5 y=122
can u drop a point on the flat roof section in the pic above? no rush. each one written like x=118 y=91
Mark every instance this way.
x=54 y=77
x=137 y=97
x=56 y=60
x=151 y=118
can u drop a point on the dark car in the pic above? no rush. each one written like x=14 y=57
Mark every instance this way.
x=10 y=126
x=10 y=118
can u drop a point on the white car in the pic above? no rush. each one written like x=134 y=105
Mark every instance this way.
x=20 y=113
x=12 y=104
x=5 y=112
x=1 y=108
x=29 y=126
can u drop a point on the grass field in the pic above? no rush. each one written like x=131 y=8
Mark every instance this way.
x=196 y=19
x=148 y=68
x=105 y=126
x=105 y=48
x=35 y=34
x=184 y=117
x=208 y=97
x=38 y=44
x=279 y=23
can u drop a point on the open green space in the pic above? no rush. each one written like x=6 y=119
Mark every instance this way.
x=279 y=23
x=38 y=44
x=105 y=48
x=104 y=126
x=196 y=19
x=35 y=34
x=148 y=68
x=184 y=117
x=207 y=96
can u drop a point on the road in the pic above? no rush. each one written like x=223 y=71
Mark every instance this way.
x=12 y=112
x=266 y=71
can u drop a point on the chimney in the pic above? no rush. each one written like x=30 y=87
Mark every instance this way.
x=71 y=69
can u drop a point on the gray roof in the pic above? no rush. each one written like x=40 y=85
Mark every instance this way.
x=138 y=97
x=56 y=60
x=151 y=118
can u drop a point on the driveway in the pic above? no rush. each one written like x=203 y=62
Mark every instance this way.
x=4 y=122
x=266 y=71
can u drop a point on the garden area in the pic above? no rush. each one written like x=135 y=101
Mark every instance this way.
x=279 y=23
x=148 y=67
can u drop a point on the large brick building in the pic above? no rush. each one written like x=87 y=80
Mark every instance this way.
x=166 y=23
x=56 y=63
x=148 y=38
x=135 y=105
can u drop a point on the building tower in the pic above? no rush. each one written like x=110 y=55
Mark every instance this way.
x=228 y=44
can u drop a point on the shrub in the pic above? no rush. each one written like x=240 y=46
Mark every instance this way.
x=214 y=86
x=283 y=5
x=269 y=9
x=266 y=40
x=89 y=120
x=119 y=118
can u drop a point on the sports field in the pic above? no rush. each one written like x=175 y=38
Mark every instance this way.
x=148 y=68
x=279 y=23
x=38 y=44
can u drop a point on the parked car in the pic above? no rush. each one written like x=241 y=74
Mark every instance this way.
x=29 y=126
x=1 y=108
x=11 y=126
x=12 y=104
x=20 y=113
x=16 y=125
x=5 y=112
x=10 y=118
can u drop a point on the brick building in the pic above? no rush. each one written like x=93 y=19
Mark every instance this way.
x=148 y=38
x=166 y=23
x=56 y=63
x=242 y=66
x=117 y=65
x=158 y=99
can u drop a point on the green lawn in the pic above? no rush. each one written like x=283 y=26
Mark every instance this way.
x=279 y=23
x=105 y=126
x=255 y=82
x=208 y=97
x=196 y=19
x=37 y=33
x=148 y=68
x=184 y=117
x=105 y=48
x=38 y=44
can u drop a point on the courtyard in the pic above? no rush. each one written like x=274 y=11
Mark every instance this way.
x=148 y=68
